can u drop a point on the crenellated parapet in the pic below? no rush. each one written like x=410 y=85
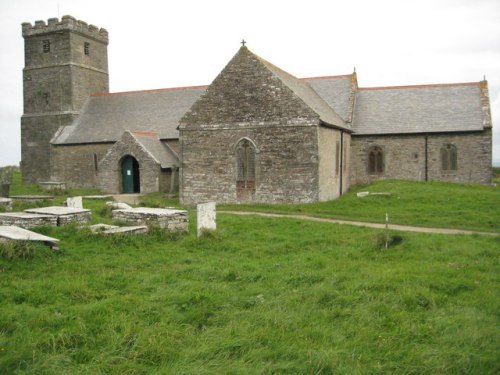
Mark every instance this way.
x=66 y=23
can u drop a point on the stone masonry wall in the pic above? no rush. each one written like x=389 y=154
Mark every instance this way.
x=286 y=164
x=248 y=100
x=57 y=78
x=77 y=165
x=405 y=157
x=109 y=169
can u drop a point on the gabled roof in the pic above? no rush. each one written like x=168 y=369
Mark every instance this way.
x=159 y=151
x=335 y=91
x=250 y=90
x=303 y=90
x=104 y=117
x=418 y=109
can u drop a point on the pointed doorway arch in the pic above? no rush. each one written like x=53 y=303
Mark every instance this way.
x=130 y=175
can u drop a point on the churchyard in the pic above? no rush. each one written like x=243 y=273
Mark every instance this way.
x=261 y=295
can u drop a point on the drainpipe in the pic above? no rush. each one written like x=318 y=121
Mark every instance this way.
x=341 y=159
x=426 y=158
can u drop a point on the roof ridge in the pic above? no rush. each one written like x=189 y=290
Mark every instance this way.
x=149 y=134
x=146 y=91
x=420 y=86
x=325 y=77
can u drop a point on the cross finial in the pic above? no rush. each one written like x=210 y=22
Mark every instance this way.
x=243 y=42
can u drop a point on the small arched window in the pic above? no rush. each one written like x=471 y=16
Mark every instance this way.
x=245 y=164
x=375 y=160
x=449 y=157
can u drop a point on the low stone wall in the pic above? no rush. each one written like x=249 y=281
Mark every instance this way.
x=171 y=219
x=27 y=220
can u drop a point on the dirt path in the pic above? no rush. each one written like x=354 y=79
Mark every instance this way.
x=404 y=228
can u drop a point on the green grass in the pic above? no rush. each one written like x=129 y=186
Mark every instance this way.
x=262 y=295
x=258 y=296
x=433 y=204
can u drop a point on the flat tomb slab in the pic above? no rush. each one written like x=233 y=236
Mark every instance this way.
x=65 y=215
x=27 y=220
x=112 y=229
x=166 y=218
x=13 y=233
x=53 y=186
x=31 y=198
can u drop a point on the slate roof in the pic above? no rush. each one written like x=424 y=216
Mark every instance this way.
x=104 y=117
x=160 y=152
x=418 y=109
x=335 y=91
x=303 y=90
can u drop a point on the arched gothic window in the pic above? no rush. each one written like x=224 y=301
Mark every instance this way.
x=245 y=164
x=375 y=160
x=449 y=157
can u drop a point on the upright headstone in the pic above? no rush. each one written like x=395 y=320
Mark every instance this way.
x=205 y=217
x=74 y=202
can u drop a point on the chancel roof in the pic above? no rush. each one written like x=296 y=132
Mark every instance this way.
x=104 y=117
x=418 y=109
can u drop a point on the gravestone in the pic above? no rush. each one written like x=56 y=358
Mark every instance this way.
x=13 y=233
x=206 y=217
x=65 y=215
x=165 y=218
x=74 y=202
x=27 y=220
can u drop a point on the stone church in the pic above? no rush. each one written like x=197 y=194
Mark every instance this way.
x=255 y=134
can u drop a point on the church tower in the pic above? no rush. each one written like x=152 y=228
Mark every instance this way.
x=65 y=61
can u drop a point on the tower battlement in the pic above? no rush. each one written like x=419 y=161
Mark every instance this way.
x=66 y=23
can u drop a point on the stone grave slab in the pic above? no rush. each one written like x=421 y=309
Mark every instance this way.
x=111 y=229
x=27 y=220
x=13 y=233
x=32 y=198
x=166 y=218
x=65 y=215
x=6 y=202
x=53 y=185
x=205 y=217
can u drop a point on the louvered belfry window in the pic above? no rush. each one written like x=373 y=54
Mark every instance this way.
x=245 y=156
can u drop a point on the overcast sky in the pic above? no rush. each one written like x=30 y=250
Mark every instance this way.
x=164 y=43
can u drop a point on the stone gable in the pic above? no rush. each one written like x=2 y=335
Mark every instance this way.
x=247 y=93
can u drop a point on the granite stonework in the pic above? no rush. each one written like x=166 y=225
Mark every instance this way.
x=152 y=176
x=417 y=157
x=166 y=218
x=261 y=108
x=64 y=215
x=27 y=220
x=78 y=165
x=58 y=76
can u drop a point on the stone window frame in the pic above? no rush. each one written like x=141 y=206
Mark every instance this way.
x=375 y=161
x=86 y=48
x=449 y=157
x=246 y=175
x=46 y=45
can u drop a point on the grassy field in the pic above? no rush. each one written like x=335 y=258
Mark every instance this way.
x=433 y=204
x=258 y=296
